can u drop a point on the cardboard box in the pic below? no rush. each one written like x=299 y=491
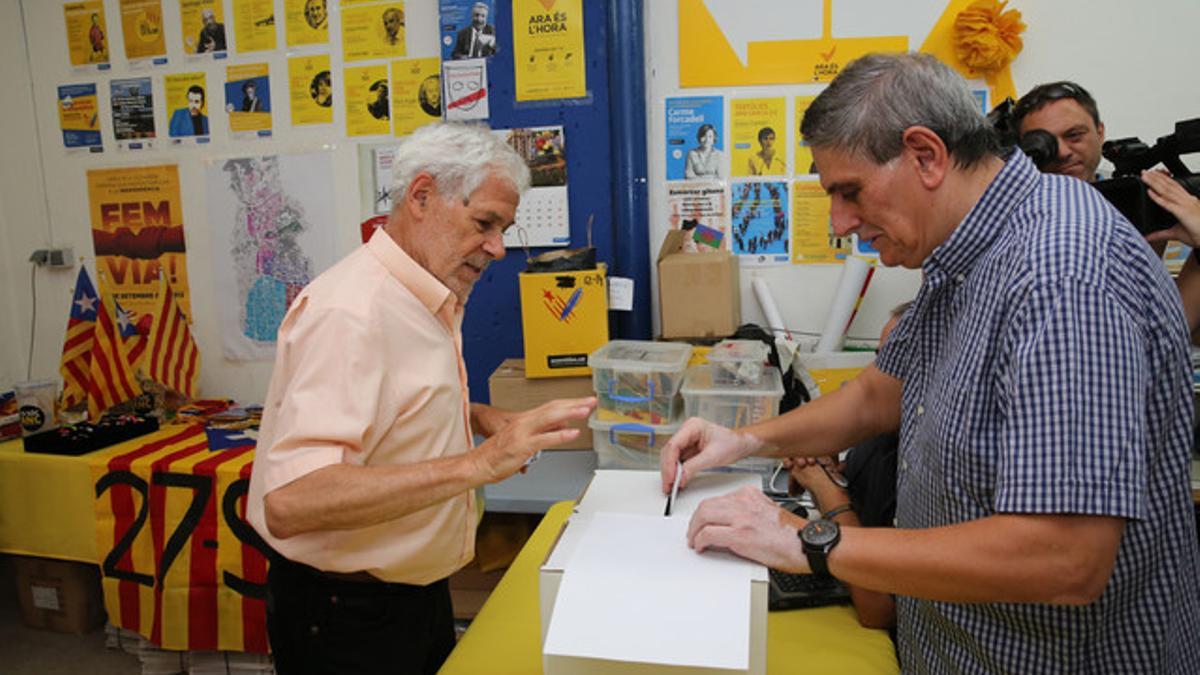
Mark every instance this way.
x=59 y=595
x=564 y=317
x=510 y=389
x=699 y=294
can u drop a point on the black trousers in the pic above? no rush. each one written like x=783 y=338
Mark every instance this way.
x=320 y=624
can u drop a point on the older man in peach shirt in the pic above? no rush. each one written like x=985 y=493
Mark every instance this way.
x=364 y=478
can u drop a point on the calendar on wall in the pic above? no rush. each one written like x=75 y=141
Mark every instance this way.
x=542 y=217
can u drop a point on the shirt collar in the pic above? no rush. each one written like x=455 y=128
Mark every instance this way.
x=426 y=287
x=982 y=224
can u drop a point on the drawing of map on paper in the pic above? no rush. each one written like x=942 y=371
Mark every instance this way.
x=272 y=222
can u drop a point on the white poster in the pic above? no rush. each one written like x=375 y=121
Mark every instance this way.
x=466 y=85
x=272 y=223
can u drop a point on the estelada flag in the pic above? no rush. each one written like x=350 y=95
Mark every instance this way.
x=76 y=361
x=173 y=359
x=111 y=379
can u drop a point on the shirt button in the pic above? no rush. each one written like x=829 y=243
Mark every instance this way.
x=313 y=630
x=904 y=466
x=333 y=599
x=960 y=278
x=920 y=410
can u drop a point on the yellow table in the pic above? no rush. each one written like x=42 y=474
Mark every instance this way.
x=506 y=635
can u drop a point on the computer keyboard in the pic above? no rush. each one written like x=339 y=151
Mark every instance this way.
x=799 y=591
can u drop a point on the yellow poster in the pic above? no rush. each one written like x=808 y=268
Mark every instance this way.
x=248 y=98
x=87 y=32
x=187 y=105
x=548 y=49
x=758 y=133
x=373 y=31
x=416 y=93
x=804 y=160
x=254 y=25
x=367 y=104
x=306 y=22
x=310 y=87
x=137 y=231
x=202 y=23
x=142 y=28
x=812 y=239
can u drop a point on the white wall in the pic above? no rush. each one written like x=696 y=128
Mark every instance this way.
x=34 y=152
x=1136 y=59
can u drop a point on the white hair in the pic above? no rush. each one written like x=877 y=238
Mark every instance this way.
x=459 y=157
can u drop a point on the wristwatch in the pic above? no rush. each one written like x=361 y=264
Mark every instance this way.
x=819 y=537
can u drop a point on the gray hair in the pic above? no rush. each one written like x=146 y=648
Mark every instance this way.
x=869 y=105
x=459 y=157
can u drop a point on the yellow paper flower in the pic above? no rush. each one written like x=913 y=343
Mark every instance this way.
x=986 y=37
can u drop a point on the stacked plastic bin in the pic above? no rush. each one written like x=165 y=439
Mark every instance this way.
x=637 y=385
x=735 y=389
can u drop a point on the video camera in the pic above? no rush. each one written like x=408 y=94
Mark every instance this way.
x=1039 y=145
x=1130 y=156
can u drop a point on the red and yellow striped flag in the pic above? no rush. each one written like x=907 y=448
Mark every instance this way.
x=111 y=378
x=77 y=345
x=172 y=357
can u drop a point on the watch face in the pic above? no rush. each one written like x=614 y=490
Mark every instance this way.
x=820 y=533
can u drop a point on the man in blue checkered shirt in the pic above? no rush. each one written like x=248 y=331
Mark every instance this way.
x=1041 y=386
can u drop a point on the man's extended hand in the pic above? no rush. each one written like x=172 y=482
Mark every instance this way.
x=488 y=420
x=749 y=524
x=703 y=445
x=525 y=434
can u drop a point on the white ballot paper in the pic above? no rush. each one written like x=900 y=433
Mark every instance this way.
x=635 y=592
x=640 y=492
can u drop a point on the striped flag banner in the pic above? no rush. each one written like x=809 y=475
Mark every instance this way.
x=111 y=380
x=173 y=359
x=181 y=565
x=76 y=363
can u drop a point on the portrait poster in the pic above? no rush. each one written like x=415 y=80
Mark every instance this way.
x=759 y=132
x=548 y=53
x=142 y=28
x=132 y=103
x=813 y=241
x=87 y=33
x=695 y=130
x=79 y=117
x=759 y=222
x=306 y=22
x=187 y=107
x=373 y=31
x=310 y=88
x=468 y=29
x=465 y=89
x=368 y=105
x=804 y=161
x=543 y=217
x=702 y=208
x=202 y=27
x=137 y=232
x=248 y=99
x=272 y=220
x=254 y=25
x=416 y=93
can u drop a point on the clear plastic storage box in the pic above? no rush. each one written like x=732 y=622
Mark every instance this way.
x=637 y=381
x=731 y=405
x=628 y=445
x=738 y=361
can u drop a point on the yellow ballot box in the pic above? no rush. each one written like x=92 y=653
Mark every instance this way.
x=564 y=316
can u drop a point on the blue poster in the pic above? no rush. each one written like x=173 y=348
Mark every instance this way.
x=694 y=144
x=79 y=116
x=760 y=220
x=468 y=29
x=252 y=94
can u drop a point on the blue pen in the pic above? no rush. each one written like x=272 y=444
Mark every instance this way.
x=574 y=300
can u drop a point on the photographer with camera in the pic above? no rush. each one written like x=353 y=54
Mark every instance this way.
x=1169 y=194
x=1069 y=113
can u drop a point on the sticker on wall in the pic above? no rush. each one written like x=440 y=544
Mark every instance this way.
x=695 y=144
x=187 y=103
x=813 y=242
x=759 y=133
x=548 y=52
x=543 y=215
x=759 y=222
x=142 y=28
x=87 y=34
x=132 y=103
x=702 y=208
x=202 y=27
x=465 y=85
x=310 y=88
x=306 y=22
x=253 y=25
x=368 y=111
x=248 y=100
x=468 y=29
x=416 y=93
x=373 y=31
x=79 y=117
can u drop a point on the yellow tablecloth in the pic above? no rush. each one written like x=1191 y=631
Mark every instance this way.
x=505 y=636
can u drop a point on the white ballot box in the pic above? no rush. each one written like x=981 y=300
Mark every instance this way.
x=621 y=592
